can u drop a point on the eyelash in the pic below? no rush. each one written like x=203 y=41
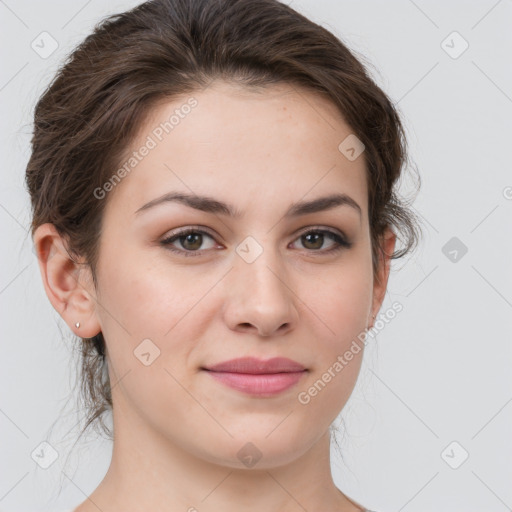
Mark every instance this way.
x=340 y=241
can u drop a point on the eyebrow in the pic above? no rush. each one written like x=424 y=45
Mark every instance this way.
x=211 y=205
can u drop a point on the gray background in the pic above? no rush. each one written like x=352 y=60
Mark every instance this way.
x=438 y=373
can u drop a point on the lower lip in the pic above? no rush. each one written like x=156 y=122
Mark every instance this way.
x=267 y=384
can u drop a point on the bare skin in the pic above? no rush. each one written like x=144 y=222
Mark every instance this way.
x=178 y=432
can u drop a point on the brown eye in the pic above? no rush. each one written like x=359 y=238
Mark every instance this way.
x=190 y=242
x=314 y=240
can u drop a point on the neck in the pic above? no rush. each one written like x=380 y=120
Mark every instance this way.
x=148 y=470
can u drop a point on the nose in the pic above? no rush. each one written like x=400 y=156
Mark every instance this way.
x=260 y=296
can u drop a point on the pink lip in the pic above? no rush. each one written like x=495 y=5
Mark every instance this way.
x=256 y=376
x=257 y=366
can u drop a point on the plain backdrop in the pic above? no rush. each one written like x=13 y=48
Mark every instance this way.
x=428 y=425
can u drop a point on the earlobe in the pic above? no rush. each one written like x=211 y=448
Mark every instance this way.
x=68 y=283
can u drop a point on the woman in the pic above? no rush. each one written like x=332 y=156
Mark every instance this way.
x=213 y=191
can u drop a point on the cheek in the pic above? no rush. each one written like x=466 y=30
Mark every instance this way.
x=150 y=326
x=340 y=348
x=152 y=312
x=145 y=297
x=339 y=310
x=322 y=398
x=340 y=304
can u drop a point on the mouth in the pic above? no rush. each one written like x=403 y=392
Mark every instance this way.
x=258 y=377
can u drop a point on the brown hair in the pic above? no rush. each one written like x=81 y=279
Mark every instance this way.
x=92 y=110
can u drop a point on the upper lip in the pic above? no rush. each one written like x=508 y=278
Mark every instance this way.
x=257 y=366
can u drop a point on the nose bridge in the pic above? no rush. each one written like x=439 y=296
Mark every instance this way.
x=260 y=291
x=260 y=260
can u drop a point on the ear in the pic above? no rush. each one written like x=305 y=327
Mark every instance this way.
x=388 y=241
x=68 y=283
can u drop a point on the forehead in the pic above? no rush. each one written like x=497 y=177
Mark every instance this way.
x=243 y=144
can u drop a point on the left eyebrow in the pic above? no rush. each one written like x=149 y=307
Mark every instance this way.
x=211 y=205
x=322 y=204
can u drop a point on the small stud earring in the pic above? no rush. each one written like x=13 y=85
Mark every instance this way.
x=77 y=325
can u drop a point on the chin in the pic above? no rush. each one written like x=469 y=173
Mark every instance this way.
x=257 y=450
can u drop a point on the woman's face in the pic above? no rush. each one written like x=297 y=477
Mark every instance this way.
x=261 y=275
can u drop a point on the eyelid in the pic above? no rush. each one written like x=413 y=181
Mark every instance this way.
x=189 y=227
x=301 y=231
x=319 y=227
x=343 y=241
x=183 y=231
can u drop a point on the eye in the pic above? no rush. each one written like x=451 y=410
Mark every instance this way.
x=314 y=239
x=190 y=239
